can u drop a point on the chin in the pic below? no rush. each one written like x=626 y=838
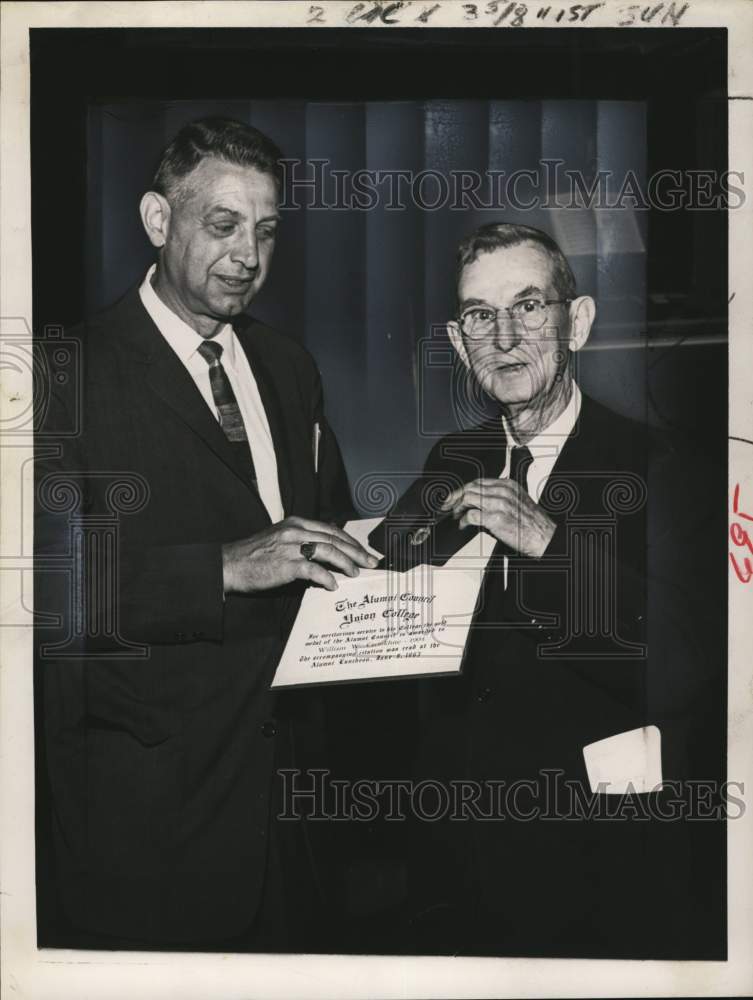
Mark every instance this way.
x=230 y=307
x=507 y=389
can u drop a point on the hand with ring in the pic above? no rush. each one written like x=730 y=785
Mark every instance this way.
x=293 y=549
x=308 y=550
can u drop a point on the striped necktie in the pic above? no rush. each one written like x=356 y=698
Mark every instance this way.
x=229 y=412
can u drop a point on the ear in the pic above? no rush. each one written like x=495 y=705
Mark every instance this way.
x=456 y=339
x=155 y=217
x=582 y=315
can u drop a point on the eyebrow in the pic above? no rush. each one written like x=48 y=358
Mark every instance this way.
x=524 y=293
x=222 y=210
x=466 y=303
x=529 y=290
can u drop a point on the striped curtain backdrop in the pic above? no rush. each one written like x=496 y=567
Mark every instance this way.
x=368 y=291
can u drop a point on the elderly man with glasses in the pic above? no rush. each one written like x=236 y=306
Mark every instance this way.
x=576 y=701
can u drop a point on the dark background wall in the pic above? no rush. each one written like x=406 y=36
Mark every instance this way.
x=369 y=292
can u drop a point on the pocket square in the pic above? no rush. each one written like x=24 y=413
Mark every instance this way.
x=626 y=762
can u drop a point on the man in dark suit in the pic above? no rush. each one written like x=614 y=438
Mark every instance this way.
x=591 y=673
x=193 y=506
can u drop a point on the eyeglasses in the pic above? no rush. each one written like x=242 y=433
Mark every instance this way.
x=478 y=322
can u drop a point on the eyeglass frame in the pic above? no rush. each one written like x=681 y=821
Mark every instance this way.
x=507 y=309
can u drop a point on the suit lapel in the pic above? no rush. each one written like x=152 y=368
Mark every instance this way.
x=488 y=447
x=282 y=439
x=576 y=462
x=167 y=377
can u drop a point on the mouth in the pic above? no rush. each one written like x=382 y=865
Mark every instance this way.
x=513 y=367
x=235 y=284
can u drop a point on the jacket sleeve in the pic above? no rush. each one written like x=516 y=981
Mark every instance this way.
x=172 y=594
x=94 y=590
x=125 y=590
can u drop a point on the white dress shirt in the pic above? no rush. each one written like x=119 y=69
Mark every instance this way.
x=186 y=342
x=546 y=446
x=545 y=449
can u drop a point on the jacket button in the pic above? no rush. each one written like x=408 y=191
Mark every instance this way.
x=484 y=694
x=269 y=729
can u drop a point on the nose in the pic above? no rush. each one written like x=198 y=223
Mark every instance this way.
x=245 y=251
x=507 y=332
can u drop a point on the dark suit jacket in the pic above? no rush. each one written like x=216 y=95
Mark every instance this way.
x=611 y=630
x=161 y=740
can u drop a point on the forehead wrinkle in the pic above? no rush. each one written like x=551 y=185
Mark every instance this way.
x=231 y=191
x=513 y=258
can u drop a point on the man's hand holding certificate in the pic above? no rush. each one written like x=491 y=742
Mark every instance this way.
x=381 y=624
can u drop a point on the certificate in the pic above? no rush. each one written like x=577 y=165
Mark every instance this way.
x=381 y=625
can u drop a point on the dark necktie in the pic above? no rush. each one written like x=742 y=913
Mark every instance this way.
x=229 y=412
x=520 y=459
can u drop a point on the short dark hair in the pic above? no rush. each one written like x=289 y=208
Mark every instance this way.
x=500 y=235
x=222 y=138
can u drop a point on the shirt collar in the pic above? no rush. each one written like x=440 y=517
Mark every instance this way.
x=558 y=431
x=179 y=335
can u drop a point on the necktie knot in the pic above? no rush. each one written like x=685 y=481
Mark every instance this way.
x=210 y=351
